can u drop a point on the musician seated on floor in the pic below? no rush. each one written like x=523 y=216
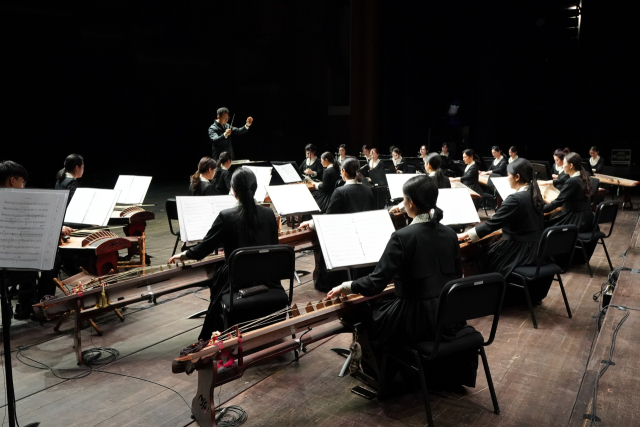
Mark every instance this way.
x=420 y=259
x=201 y=180
x=330 y=177
x=221 y=179
x=521 y=219
x=14 y=175
x=242 y=226
x=66 y=178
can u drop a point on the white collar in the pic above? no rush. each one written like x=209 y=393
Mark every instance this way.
x=468 y=166
x=310 y=162
x=432 y=174
x=203 y=179
x=496 y=161
x=444 y=154
x=558 y=168
x=512 y=159
x=351 y=182
x=577 y=173
x=395 y=162
x=523 y=188
x=68 y=175
x=594 y=161
x=419 y=219
x=330 y=166
x=223 y=168
x=373 y=165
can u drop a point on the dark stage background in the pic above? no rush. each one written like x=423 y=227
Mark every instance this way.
x=133 y=86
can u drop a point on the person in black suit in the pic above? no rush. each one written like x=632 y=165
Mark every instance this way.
x=330 y=176
x=221 y=180
x=411 y=315
x=66 y=178
x=398 y=162
x=220 y=133
x=499 y=164
x=521 y=219
x=311 y=165
x=353 y=196
x=470 y=176
x=595 y=161
x=201 y=180
x=245 y=225
x=374 y=162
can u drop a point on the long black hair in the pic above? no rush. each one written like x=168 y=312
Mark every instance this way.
x=470 y=153
x=329 y=157
x=245 y=184
x=523 y=168
x=70 y=164
x=434 y=160
x=224 y=158
x=575 y=160
x=205 y=164
x=351 y=166
x=423 y=192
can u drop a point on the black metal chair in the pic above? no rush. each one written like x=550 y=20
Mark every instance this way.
x=605 y=213
x=595 y=184
x=460 y=300
x=171 y=208
x=253 y=266
x=556 y=241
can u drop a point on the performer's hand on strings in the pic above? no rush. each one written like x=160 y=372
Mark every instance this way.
x=554 y=176
x=249 y=121
x=304 y=225
x=338 y=291
x=66 y=231
x=177 y=258
x=463 y=236
x=308 y=171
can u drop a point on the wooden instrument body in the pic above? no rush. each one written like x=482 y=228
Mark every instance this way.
x=133 y=218
x=96 y=252
x=626 y=185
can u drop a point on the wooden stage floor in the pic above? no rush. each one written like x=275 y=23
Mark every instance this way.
x=538 y=374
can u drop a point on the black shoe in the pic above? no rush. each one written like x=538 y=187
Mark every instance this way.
x=22 y=313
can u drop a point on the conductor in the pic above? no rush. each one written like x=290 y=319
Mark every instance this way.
x=221 y=132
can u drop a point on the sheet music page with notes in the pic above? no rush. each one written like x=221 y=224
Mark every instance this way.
x=353 y=240
x=263 y=176
x=133 y=188
x=197 y=214
x=292 y=199
x=503 y=187
x=288 y=173
x=30 y=225
x=91 y=206
x=396 y=181
x=457 y=206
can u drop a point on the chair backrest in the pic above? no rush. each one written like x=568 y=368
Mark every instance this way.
x=470 y=298
x=606 y=213
x=171 y=208
x=490 y=183
x=595 y=184
x=258 y=264
x=558 y=240
x=411 y=169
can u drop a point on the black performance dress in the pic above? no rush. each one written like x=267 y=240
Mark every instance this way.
x=470 y=179
x=228 y=231
x=68 y=183
x=323 y=194
x=598 y=166
x=222 y=184
x=500 y=168
x=315 y=166
x=560 y=180
x=420 y=259
x=522 y=229
x=204 y=189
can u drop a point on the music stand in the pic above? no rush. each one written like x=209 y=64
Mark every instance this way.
x=40 y=246
x=378 y=177
x=587 y=167
x=541 y=170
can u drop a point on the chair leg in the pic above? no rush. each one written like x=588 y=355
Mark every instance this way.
x=176 y=245
x=494 y=399
x=526 y=293
x=584 y=254
x=564 y=296
x=607 y=253
x=423 y=386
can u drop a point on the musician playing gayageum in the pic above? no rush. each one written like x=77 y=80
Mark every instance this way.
x=311 y=165
x=221 y=132
x=221 y=180
x=67 y=176
x=201 y=180
x=330 y=177
x=470 y=176
x=499 y=164
x=420 y=259
x=245 y=225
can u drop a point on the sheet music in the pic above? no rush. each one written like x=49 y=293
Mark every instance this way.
x=292 y=199
x=288 y=173
x=503 y=187
x=30 y=224
x=396 y=181
x=350 y=240
x=197 y=214
x=133 y=188
x=91 y=206
x=263 y=176
x=457 y=206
